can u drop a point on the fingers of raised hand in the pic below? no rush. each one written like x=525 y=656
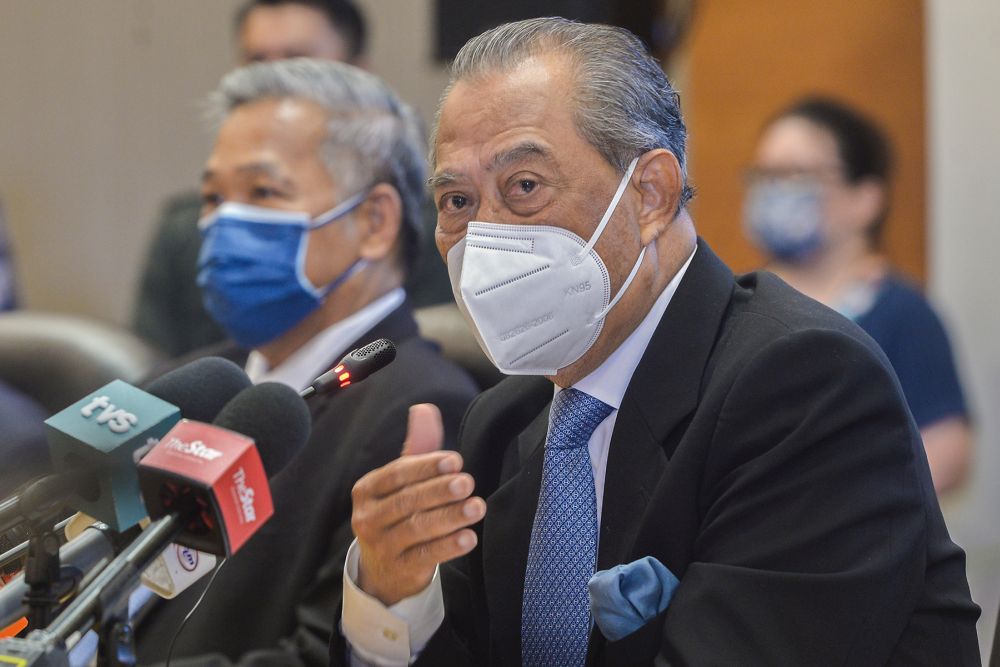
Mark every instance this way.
x=414 y=505
x=403 y=472
x=426 y=526
x=429 y=554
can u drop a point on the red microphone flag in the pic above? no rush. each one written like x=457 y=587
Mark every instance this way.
x=214 y=479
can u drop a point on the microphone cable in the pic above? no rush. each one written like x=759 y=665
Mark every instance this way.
x=187 y=617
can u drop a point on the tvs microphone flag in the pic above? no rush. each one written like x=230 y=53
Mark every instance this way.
x=101 y=432
x=204 y=473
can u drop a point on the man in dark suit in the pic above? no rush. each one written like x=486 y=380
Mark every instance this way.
x=751 y=443
x=311 y=216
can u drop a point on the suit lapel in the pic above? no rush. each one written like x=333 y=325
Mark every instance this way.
x=663 y=392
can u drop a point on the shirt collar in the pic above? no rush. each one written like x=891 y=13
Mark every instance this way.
x=316 y=356
x=609 y=381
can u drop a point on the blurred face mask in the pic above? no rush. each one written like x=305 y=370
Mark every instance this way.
x=251 y=268
x=785 y=218
x=536 y=295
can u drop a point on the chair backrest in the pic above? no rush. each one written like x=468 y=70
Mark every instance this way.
x=444 y=325
x=56 y=359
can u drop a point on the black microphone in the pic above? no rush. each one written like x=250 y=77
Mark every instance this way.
x=274 y=417
x=201 y=388
x=354 y=367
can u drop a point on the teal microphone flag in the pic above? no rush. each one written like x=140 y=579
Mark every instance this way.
x=101 y=433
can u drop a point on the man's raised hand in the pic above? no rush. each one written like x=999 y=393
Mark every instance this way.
x=414 y=513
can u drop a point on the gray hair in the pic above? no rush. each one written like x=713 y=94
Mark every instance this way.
x=624 y=103
x=372 y=136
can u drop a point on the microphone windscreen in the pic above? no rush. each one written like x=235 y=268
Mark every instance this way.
x=275 y=416
x=201 y=388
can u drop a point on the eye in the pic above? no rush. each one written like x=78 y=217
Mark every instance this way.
x=263 y=192
x=210 y=200
x=450 y=203
x=523 y=187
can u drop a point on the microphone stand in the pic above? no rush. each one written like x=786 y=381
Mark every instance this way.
x=100 y=604
x=17 y=552
x=41 y=572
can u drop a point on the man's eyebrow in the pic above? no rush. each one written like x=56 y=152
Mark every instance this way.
x=441 y=179
x=260 y=167
x=501 y=160
x=522 y=151
x=267 y=169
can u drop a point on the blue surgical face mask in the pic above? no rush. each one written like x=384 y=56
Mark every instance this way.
x=785 y=218
x=251 y=268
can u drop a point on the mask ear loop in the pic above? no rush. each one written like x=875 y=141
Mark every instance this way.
x=358 y=264
x=339 y=211
x=628 y=281
x=600 y=229
x=608 y=213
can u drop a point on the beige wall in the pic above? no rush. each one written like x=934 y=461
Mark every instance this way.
x=98 y=121
x=402 y=48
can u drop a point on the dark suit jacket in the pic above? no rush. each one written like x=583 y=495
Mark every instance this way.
x=763 y=453
x=282 y=587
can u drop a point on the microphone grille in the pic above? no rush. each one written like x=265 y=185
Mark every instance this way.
x=380 y=352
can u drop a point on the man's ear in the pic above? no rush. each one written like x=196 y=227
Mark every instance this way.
x=382 y=220
x=659 y=178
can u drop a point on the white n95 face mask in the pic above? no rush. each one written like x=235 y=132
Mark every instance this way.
x=536 y=295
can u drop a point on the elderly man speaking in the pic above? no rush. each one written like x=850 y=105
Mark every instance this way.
x=689 y=468
x=311 y=210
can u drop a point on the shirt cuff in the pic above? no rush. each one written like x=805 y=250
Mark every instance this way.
x=388 y=636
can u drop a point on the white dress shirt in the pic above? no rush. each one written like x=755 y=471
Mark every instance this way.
x=303 y=366
x=395 y=636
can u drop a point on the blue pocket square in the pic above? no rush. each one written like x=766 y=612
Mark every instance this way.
x=626 y=597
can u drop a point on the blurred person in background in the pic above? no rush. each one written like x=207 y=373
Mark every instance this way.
x=168 y=310
x=312 y=214
x=8 y=281
x=816 y=205
x=23 y=451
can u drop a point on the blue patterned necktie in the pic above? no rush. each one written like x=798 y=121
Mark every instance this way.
x=555 y=610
